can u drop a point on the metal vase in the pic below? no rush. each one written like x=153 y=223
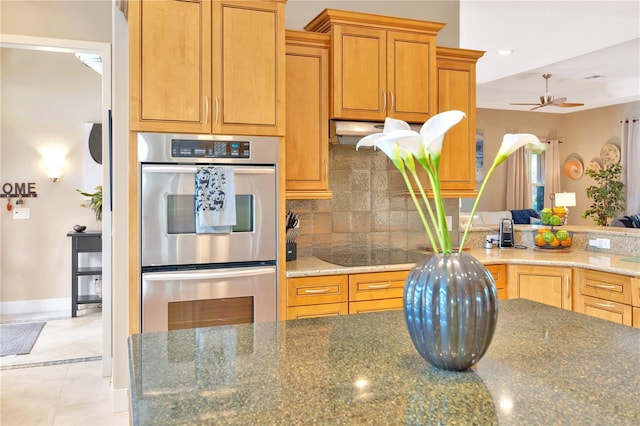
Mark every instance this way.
x=451 y=309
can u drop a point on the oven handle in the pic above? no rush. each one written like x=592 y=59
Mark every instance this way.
x=208 y=275
x=250 y=170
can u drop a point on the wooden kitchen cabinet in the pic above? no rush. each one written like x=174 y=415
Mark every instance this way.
x=207 y=66
x=499 y=274
x=635 y=301
x=315 y=296
x=381 y=66
x=376 y=291
x=545 y=284
x=457 y=91
x=307 y=115
x=604 y=295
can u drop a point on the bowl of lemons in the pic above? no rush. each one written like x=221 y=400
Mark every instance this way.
x=552 y=239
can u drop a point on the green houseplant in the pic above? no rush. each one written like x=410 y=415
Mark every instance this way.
x=95 y=202
x=607 y=194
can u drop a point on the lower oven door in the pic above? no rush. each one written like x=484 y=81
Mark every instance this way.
x=175 y=300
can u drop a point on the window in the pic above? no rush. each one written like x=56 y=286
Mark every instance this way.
x=535 y=162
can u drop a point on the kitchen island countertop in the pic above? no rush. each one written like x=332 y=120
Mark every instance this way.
x=544 y=366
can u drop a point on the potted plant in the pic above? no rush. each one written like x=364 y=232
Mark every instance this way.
x=95 y=202
x=607 y=194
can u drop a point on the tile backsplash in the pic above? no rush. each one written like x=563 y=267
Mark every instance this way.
x=370 y=207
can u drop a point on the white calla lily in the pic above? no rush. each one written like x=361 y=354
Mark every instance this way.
x=512 y=142
x=405 y=147
x=436 y=127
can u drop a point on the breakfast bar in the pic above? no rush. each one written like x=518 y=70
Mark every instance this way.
x=544 y=366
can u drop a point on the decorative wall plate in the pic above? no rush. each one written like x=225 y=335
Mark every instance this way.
x=573 y=168
x=610 y=154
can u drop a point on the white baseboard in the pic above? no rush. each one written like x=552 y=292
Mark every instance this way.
x=38 y=305
x=120 y=400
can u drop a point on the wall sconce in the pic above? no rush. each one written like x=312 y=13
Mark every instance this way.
x=53 y=164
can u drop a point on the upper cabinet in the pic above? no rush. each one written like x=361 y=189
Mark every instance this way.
x=381 y=66
x=307 y=115
x=457 y=91
x=207 y=66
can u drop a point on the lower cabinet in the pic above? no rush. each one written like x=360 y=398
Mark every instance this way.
x=326 y=295
x=635 y=301
x=319 y=296
x=377 y=291
x=499 y=274
x=545 y=284
x=604 y=295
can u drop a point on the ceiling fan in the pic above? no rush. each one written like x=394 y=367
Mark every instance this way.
x=547 y=98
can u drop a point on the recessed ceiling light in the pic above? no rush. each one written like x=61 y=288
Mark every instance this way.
x=505 y=52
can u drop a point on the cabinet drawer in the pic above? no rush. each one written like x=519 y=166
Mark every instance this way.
x=635 y=292
x=605 y=309
x=316 y=290
x=377 y=285
x=604 y=285
x=375 y=305
x=636 y=317
x=314 y=311
x=89 y=244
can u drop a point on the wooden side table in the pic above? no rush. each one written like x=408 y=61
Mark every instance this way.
x=83 y=242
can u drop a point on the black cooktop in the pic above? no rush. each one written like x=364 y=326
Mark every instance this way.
x=369 y=257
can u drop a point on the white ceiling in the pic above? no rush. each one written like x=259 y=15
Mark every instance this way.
x=571 y=40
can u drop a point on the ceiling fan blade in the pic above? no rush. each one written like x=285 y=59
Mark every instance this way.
x=524 y=104
x=557 y=101
x=569 y=105
x=539 y=106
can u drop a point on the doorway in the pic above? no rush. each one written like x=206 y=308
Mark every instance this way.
x=104 y=51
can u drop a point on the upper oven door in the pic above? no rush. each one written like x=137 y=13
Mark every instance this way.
x=168 y=220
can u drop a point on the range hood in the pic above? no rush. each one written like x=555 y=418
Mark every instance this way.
x=350 y=132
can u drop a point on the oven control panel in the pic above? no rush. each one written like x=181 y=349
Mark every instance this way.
x=182 y=148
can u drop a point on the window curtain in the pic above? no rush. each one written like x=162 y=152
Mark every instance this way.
x=630 y=158
x=518 y=181
x=551 y=169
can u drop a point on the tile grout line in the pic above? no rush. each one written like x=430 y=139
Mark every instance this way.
x=49 y=363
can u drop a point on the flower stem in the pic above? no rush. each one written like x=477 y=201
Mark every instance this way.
x=425 y=199
x=475 y=204
x=420 y=212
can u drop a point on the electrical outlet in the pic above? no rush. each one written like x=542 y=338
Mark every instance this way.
x=604 y=243
x=449 y=220
x=594 y=243
x=22 y=213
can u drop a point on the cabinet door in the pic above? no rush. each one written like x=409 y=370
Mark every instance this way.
x=315 y=311
x=307 y=107
x=411 y=78
x=604 y=309
x=170 y=59
x=636 y=317
x=544 y=284
x=499 y=274
x=248 y=68
x=359 y=73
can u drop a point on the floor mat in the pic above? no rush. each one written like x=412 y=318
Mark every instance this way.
x=18 y=339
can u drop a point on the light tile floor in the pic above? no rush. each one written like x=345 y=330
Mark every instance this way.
x=60 y=382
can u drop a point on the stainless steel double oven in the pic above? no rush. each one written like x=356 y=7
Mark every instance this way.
x=195 y=279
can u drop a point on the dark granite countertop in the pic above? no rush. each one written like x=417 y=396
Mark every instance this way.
x=544 y=366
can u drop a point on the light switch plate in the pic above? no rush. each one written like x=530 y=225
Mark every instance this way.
x=22 y=213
